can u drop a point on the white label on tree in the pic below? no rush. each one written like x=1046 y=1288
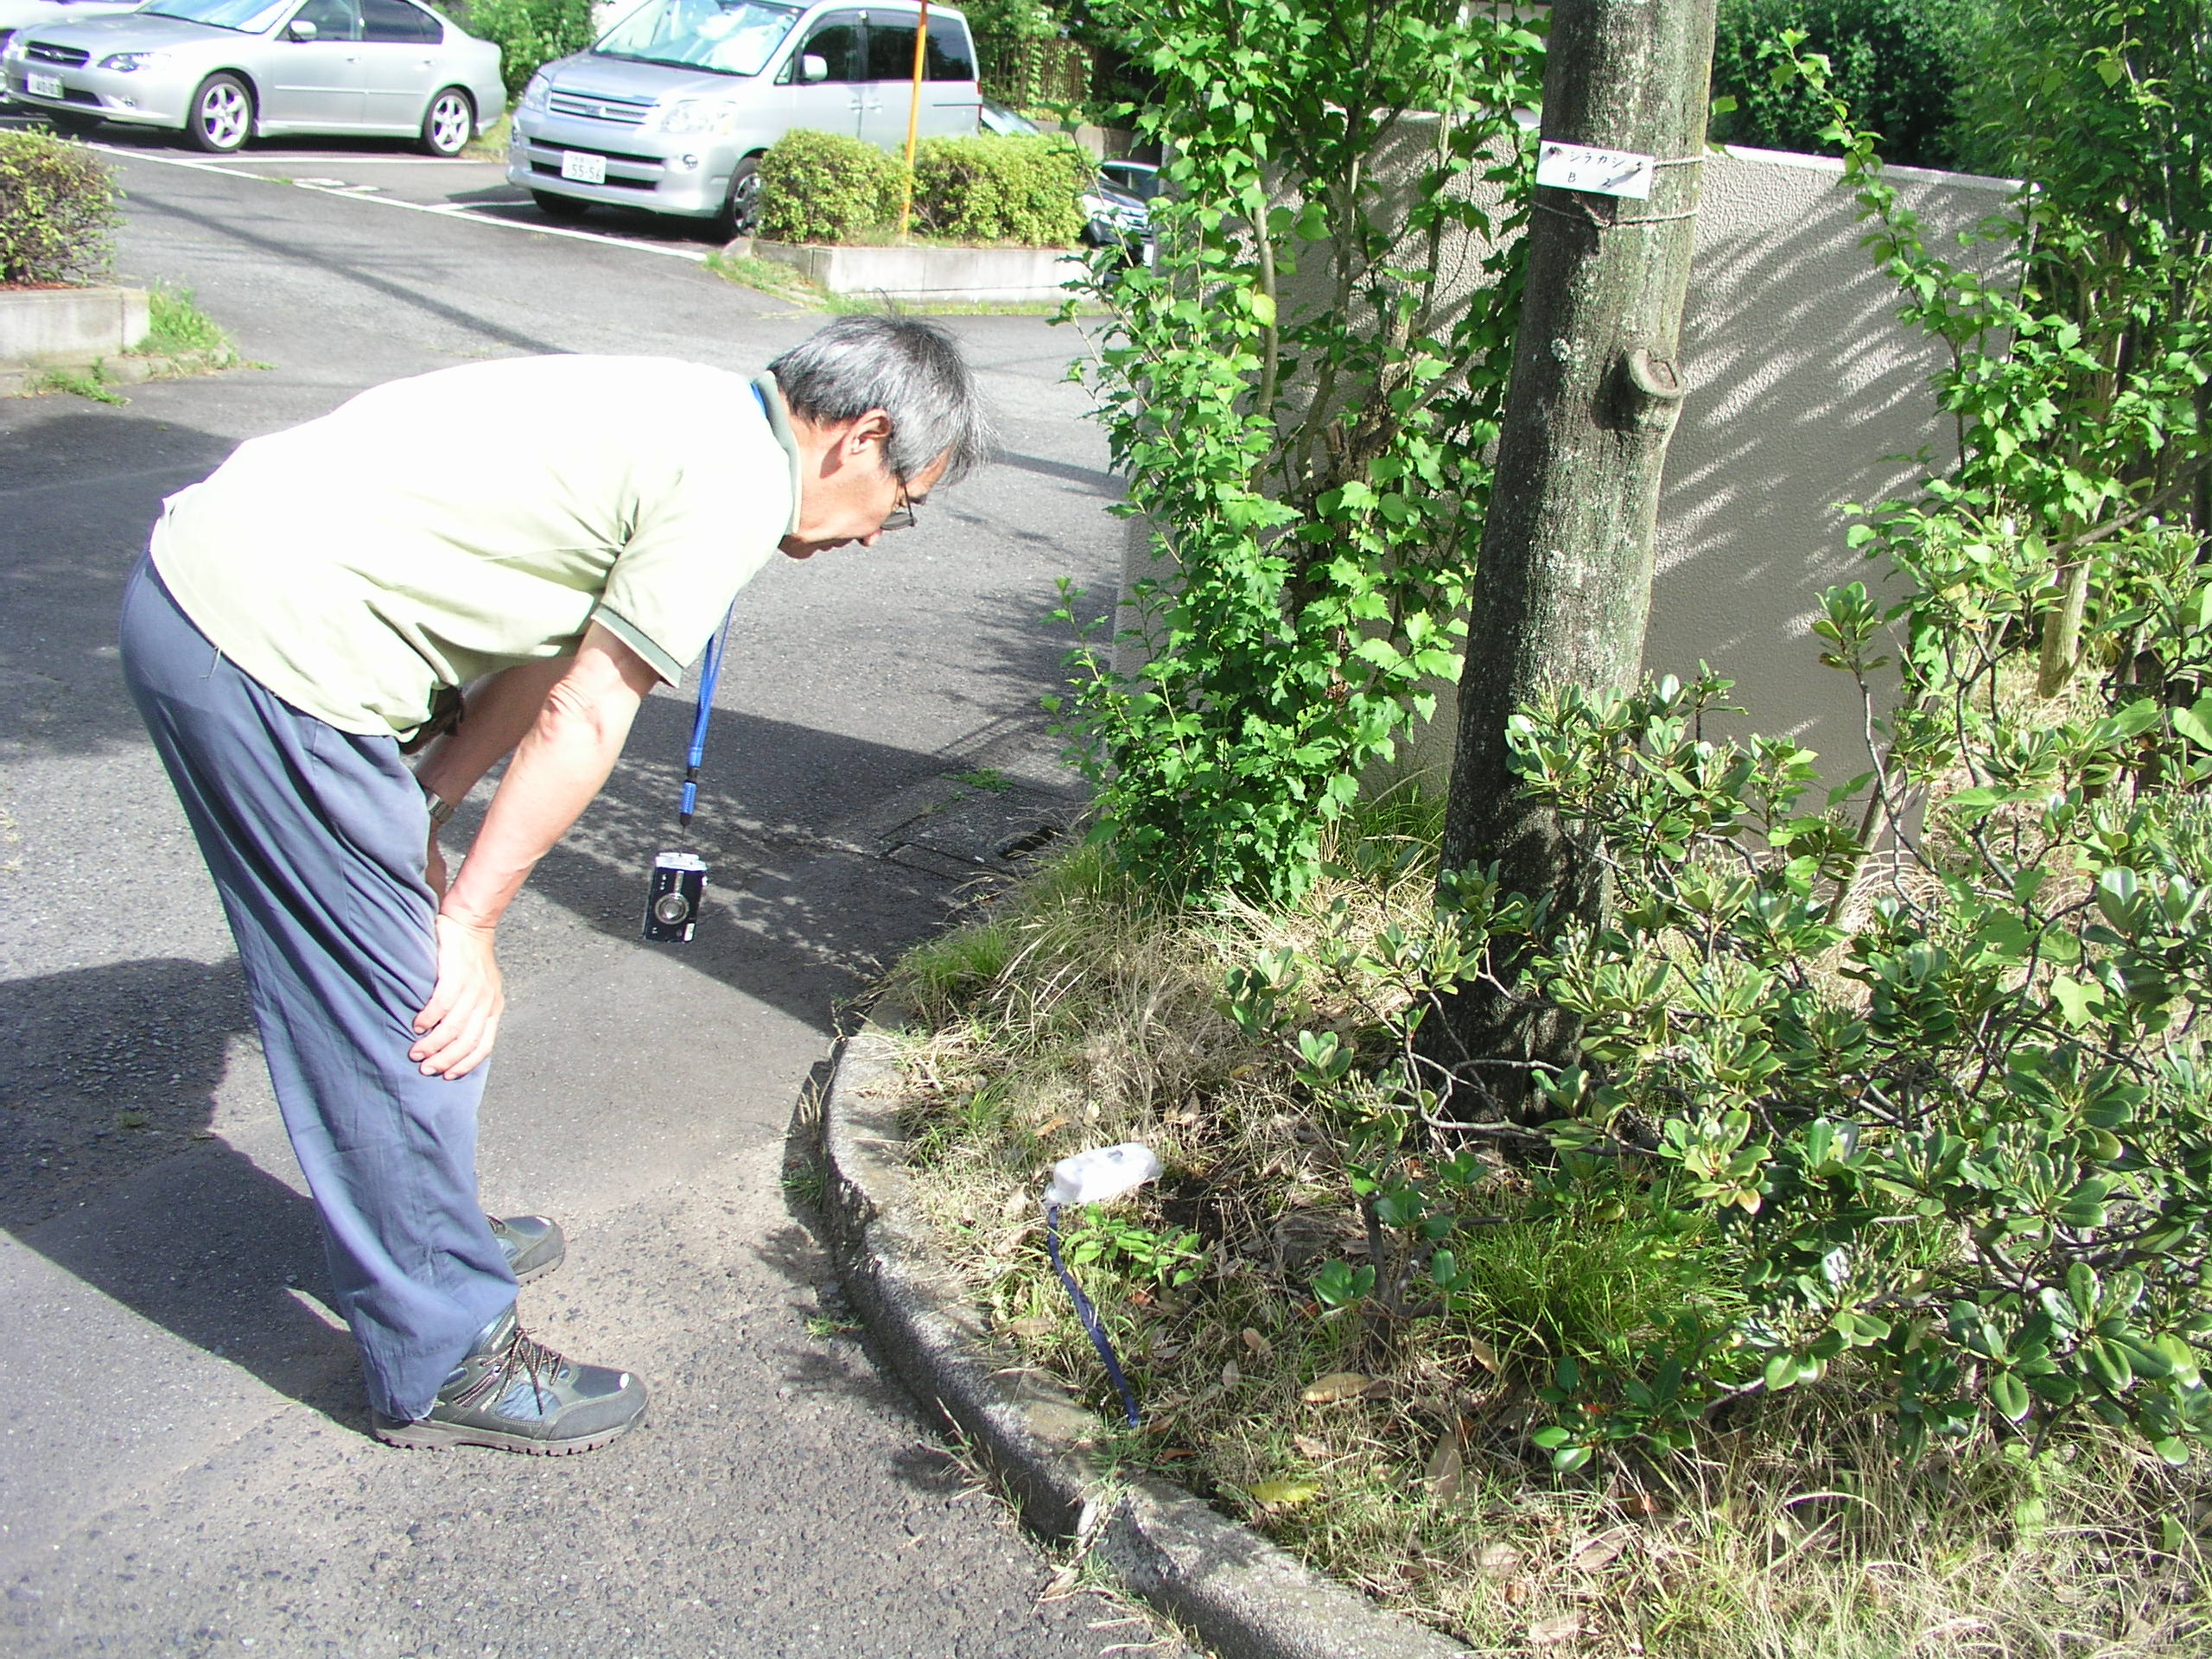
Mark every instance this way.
x=1605 y=172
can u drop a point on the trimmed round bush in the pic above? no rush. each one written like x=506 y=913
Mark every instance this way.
x=824 y=187
x=57 y=208
x=1026 y=190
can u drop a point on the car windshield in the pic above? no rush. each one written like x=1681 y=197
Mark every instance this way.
x=246 y=16
x=728 y=37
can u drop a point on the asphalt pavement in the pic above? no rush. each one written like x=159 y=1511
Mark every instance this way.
x=184 y=1465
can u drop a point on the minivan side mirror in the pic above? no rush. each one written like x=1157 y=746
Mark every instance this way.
x=300 y=30
x=812 y=66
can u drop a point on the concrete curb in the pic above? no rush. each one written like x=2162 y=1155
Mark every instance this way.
x=71 y=325
x=923 y=274
x=24 y=380
x=1245 y=1598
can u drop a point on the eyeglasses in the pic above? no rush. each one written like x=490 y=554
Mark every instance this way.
x=902 y=516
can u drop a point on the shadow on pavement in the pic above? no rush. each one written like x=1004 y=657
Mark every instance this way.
x=109 y=1170
x=301 y=252
x=72 y=526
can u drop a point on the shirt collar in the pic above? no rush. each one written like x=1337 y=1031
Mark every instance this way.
x=779 y=422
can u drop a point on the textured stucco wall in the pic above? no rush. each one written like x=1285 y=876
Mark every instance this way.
x=1807 y=391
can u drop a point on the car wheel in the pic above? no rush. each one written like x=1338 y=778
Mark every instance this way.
x=449 y=124
x=741 y=211
x=555 y=206
x=221 y=116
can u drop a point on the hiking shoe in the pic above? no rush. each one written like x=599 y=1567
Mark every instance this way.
x=519 y=1396
x=533 y=1244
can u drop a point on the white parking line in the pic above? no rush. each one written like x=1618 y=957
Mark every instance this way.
x=444 y=209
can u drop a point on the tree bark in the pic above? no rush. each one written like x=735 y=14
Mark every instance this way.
x=1564 y=579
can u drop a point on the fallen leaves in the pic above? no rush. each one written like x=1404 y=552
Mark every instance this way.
x=1592 y=1554
x=1260 y=1346
x=1281 y=1494
x=1550 y=1632
x=1446 y=1468
x=1497 y=1560
x=1337 y=1386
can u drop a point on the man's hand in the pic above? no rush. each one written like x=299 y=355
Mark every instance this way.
x=460 y=1023
x=571 y=744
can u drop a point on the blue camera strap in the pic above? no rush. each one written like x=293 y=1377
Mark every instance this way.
x=710 y=674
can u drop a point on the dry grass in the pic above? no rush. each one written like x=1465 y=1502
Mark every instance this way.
x=1077 y=1016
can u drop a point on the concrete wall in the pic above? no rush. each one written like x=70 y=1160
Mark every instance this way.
x=923 y=274
x=1806 y=391
x=70 y=325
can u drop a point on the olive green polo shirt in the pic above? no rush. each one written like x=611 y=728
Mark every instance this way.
x=439 y=529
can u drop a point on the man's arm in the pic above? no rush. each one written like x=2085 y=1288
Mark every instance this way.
x=566 y=750
x=501 y=710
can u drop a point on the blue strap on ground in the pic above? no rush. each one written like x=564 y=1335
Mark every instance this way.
x=710 y=671
x=1088 y=1314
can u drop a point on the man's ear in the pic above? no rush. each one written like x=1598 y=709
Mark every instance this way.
x=869 y=430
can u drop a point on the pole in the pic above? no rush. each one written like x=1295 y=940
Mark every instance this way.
x=1563 y=587
x=913 y=120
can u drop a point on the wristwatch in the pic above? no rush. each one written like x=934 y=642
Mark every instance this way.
x=440 y=808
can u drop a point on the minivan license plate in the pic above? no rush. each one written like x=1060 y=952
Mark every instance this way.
x=584 y=168
x=46 y=85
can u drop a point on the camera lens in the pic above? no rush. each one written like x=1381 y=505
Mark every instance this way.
x=670 y=908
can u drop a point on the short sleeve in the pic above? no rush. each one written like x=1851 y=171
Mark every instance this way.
x=710 y=525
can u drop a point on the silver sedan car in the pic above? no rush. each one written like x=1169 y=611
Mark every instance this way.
x=18 y=15
x=224 y=71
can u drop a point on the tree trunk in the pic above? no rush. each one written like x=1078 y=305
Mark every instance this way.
x=1564 y=583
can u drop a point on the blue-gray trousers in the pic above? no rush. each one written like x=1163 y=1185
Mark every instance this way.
x=316 y=840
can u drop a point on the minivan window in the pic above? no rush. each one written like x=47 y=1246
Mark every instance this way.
x=726 y=37
x=891 y=50
x=246 y=16
x=836 y=42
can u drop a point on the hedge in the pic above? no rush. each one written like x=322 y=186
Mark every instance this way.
x=1898 y=63
x=57 y=205
x=993 y=189
x=824 y=187
x=530 y=34
x=821 y=187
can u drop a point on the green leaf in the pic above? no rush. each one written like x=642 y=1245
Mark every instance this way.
x=2194 y=723
x=2010 y=1396
x=1263 y=308
x=2076 y=999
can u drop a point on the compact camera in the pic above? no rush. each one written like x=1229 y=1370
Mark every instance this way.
x=679 y=887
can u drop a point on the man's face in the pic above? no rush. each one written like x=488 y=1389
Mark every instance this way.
x=848 y=491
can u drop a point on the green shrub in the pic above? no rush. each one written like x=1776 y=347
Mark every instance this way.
x=530 y=33
x=1899 y=64
x=823 y=187
x=993 y=189
x=57 y=205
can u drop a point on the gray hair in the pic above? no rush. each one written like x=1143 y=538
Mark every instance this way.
x=909 y=369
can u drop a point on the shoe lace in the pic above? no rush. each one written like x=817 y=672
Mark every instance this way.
x=523 y=1355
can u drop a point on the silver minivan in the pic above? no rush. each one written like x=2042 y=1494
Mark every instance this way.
x=673 y=106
